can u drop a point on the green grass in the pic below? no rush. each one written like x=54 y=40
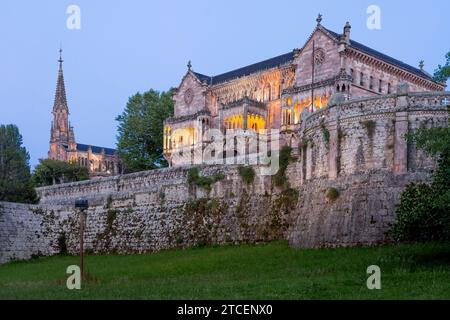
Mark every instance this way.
x=272 y=271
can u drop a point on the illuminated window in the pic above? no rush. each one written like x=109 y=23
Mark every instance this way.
x=324 y=101
x=296 y=113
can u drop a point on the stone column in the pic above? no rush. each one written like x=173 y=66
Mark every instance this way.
x=292 y=114
x=333 y=150
x=400 y=144
x=401 y=129
x=303 y=163
x=244 y=112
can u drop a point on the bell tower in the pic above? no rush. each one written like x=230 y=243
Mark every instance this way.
x=62 y=137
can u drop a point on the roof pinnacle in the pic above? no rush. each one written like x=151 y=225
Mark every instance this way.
x=319 y=19
x=60 y=56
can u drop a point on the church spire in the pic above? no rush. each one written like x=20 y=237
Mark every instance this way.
x=60 y=94
x=62 y=137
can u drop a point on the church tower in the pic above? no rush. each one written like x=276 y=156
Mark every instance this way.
x=62 y=137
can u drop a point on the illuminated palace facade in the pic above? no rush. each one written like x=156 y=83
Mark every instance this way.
x=276 y=93
x=99 y=161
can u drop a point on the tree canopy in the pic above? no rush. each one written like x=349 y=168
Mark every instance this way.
x=15 y=176
x=140 y=130
x=442 y=73
x=49 y=172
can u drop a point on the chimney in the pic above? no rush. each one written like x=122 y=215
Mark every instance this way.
x=347 y=28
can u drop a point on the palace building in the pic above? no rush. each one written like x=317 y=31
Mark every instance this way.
x=100 y=161
x=276 y=93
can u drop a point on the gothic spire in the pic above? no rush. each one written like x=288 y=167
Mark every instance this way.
x=60 y=94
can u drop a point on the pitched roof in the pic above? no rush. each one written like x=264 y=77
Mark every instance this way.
x=245 y=71
x=95 y=149
x=288 y=57
x=383 y=57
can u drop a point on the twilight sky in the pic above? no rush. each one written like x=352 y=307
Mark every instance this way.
x=130 y=46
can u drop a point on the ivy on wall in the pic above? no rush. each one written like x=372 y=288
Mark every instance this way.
x=194 y=178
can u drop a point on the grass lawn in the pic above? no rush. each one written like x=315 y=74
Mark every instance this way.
x=272 y=271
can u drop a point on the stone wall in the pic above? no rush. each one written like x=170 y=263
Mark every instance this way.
x=356 y=147
x=146 y=212
x=26 y=231
x=361 y=214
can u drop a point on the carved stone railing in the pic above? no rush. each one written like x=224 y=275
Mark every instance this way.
x=378 y=106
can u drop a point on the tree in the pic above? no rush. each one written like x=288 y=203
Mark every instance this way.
x=15 y=177
x=424 y=210
x=49 y=172
x=140 y=130
x=442 y=73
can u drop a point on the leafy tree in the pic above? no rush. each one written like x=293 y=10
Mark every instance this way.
x=442 y=73
x=424 y=210
x=140 y=130
x=49 y=172
x=15 y=177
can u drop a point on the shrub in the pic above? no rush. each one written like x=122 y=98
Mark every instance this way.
x=247 y=174
x=194 y=178
x=109 y=202
x=332 y=194
x=201 y=244
x=110 y=218
x=62 y=245
x=424 y=210
x=284 y=157
x=326 y=135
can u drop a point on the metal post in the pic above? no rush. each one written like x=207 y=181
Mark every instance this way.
x=82 y=243
x=82 y=205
